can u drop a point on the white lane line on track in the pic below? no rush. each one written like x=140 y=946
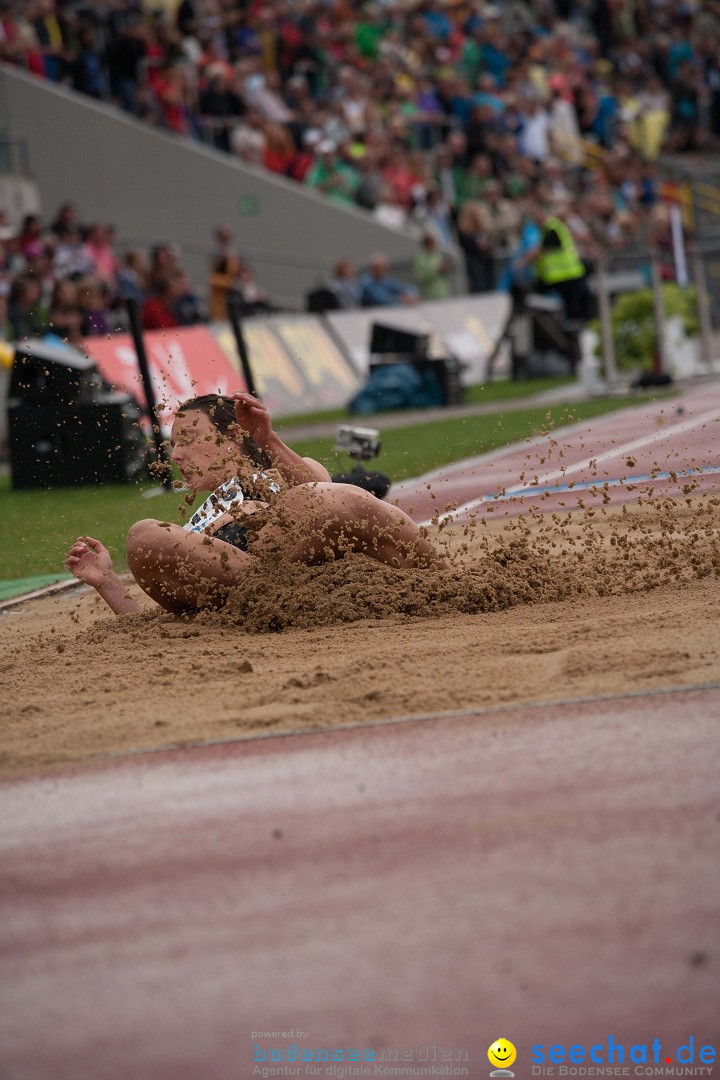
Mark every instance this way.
x=683 y=427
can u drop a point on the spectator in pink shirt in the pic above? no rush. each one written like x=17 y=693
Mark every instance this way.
x=102 y=254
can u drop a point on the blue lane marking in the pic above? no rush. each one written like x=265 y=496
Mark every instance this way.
x=558 y=489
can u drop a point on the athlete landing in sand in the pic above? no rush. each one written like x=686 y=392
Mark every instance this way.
x=227 y=447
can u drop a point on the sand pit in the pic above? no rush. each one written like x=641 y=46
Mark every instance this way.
x=536 y=607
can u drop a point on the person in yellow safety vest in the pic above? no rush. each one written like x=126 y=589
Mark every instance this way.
x=558 y=260
x=559 y=268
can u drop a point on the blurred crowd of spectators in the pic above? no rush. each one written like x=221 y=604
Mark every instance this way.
x=66 y=279
x=471 y=119
x=450 y=112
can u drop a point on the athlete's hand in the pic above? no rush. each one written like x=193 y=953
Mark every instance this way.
x=253 y=417
x=89 y=561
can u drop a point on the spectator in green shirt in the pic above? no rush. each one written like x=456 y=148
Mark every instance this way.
x=432 y=270
x=473 y=183
x=331 y=175
x=369 y=32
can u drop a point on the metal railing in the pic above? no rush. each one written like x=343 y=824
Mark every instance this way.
x=699 y=201
x=583 y=153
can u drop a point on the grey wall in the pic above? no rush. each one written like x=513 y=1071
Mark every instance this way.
x=157 y=187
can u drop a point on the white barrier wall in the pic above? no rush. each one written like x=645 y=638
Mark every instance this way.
x=470 y=328
x=156 y=187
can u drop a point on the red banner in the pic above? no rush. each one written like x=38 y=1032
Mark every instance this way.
x=183 y=364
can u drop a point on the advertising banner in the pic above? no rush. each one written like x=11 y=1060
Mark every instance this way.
x=183 y=364
x=325 y=370
x=297 y=365
x=277 y=380
x=300 y=363
x=468 y=328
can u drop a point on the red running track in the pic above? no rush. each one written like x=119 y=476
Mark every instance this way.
x=542 y=874
x=669 y=435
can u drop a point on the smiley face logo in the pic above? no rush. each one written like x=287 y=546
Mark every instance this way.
x=502 y=1053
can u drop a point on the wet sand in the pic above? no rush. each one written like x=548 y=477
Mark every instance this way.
x=537 y=608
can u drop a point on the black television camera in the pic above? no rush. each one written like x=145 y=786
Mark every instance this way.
x=362 y=444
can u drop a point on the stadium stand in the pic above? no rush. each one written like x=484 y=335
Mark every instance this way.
x=408 y=109
x=477 y=122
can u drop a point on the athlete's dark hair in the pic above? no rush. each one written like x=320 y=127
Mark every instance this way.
x=221 y=411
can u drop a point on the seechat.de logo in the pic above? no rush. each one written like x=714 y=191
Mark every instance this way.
x=614 y=1053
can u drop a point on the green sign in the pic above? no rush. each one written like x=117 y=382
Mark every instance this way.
x=249 y=205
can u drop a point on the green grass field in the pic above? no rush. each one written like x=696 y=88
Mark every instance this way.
x=38 y=527
x=487 y=394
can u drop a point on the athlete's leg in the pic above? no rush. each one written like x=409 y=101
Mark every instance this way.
x=314 y=522
x=182 y=571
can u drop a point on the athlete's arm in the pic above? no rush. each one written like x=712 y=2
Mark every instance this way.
x=254 y=418
x=90 y=562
